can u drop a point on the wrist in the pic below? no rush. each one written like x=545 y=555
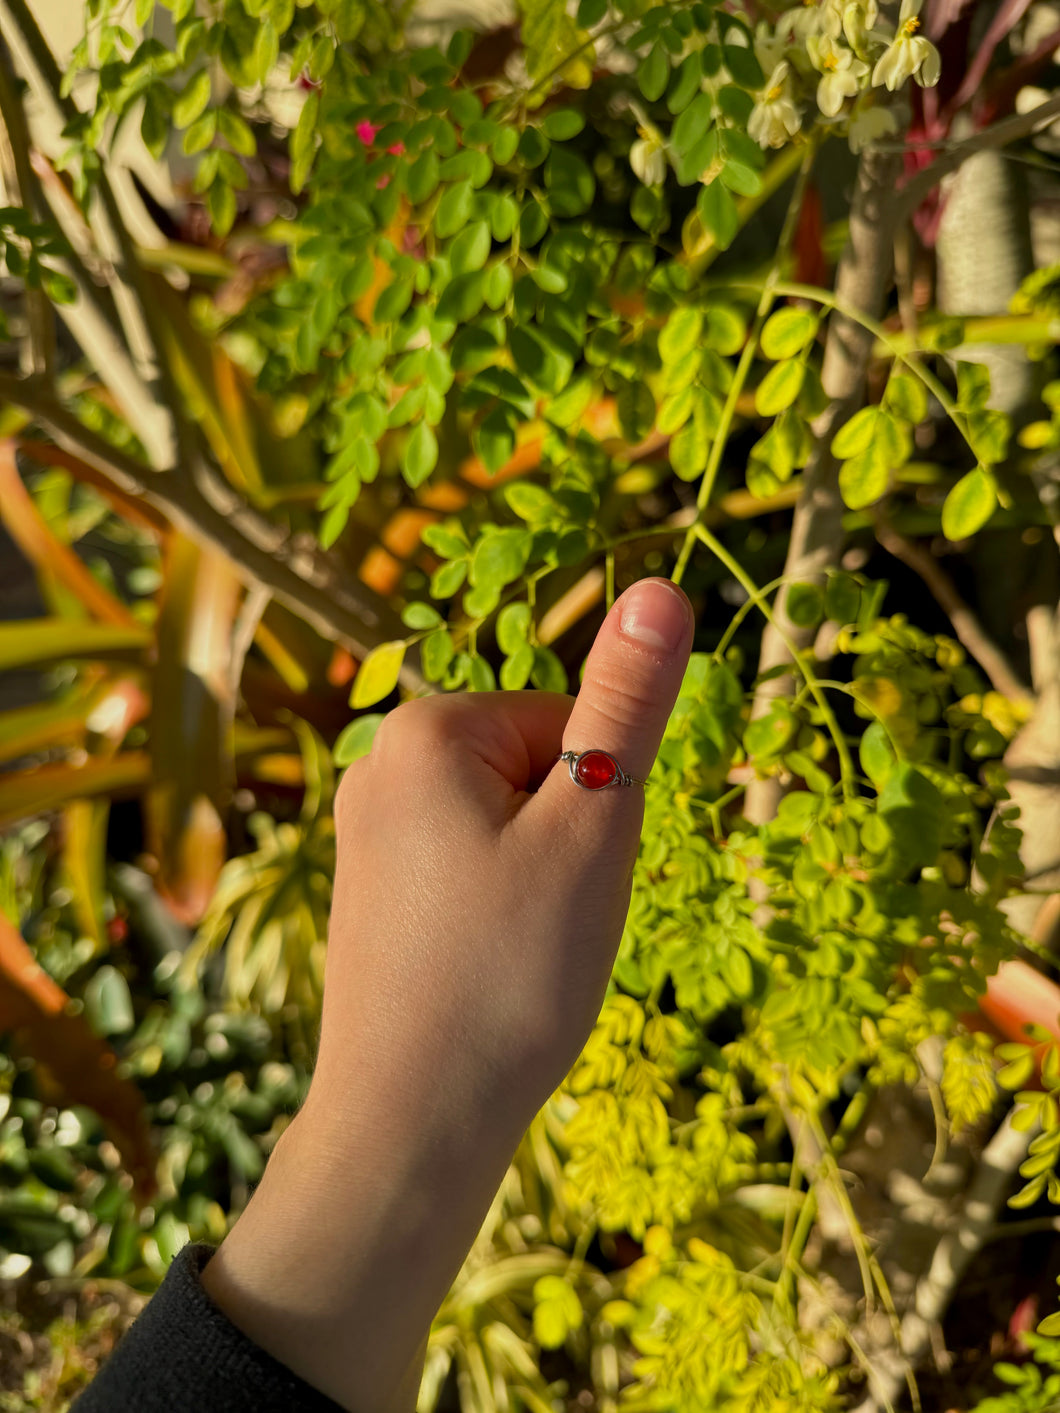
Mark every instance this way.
x=368 y=1206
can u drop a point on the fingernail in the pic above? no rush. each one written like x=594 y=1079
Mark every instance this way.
x=655 y=613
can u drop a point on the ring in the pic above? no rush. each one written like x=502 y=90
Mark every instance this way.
x=596 y=770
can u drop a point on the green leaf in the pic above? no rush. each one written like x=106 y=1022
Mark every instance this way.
x=192 y=101
x=444 y=542
x=915 y=812
x=378 y=674
x=454 y=209
x=420 y=615
x=423 y=177
x=154 y=125
x=201 y=133
x=266 y=51
x=334 y=522
x=842 y=598
x=302 y=141
x=768 y=734
x=863 y=479
x=562 y=124
x=463 y=298
x=684 y=84
x=907 y=397
x=570 y=182
x=654 y=73
x=221 y=204
x=741 y=179
x=528 y=501
x=675 y=411
x=856 y=435
x=786 y=333
x=470 y=250
x=513 y=625
x=516 y=670
x=741 y=63
x=877 y=754
x=494 y=438
x=717 y=210
x=356 y=739
x=504 y=146
x=682 y=333
x=499 y=557
x=636 y=411
x=480 y=676
x=973 y=386
x=969 y=505
x=780 y=387
x=108 y=1003
x=421 y=455
x=693 y=126
x=805 y=605
x=437 y=650
x=549 y=674
x=689 y=450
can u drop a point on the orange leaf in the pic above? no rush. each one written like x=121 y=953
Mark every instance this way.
x=49 y=555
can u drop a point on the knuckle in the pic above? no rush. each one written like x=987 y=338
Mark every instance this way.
x=419 y=727
x=626 y=700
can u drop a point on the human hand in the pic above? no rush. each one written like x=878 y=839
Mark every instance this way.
x=480 y=897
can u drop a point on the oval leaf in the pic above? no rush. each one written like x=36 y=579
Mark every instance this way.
x=378 y=674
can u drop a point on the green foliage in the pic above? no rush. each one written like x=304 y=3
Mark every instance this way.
x=1034 y=1386
x=479 y=271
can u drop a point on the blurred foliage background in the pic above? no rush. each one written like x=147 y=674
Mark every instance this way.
x=357 y=350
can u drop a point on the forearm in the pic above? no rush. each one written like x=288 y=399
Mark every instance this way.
x=361 y=1222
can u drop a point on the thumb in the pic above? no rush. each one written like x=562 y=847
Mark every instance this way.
x=631 y=680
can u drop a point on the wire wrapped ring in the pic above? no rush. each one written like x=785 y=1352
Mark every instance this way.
x=596 y=770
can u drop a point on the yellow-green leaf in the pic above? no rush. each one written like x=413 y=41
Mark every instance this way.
x=787 y=332
x=28 y=642
x=969 y=505
x=780 y=387
x=378 y=674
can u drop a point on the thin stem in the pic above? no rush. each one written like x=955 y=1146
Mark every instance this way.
x=750 y=348
x=846 y=765
x=829 y=301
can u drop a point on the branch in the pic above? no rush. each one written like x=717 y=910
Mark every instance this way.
x=953 y=1255
x=19 y=185
x=1000 y=135
x=167 y=439
x=816 y=541
x=207 y=510
x=965 y=624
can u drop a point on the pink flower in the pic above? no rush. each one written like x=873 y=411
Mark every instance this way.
x=384 y=180
x=366 y=131
x=397 y=150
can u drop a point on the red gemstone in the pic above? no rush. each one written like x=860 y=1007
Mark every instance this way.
x=596 y=769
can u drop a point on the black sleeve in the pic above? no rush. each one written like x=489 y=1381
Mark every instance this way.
x=184 y=1355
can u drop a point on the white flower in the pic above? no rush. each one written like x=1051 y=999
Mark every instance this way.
x=841 y=74
x=797 y=24
x=647 y=157
x=870 y=124
x=775 y=118
x=858 y=19
x=769 y=47
x=910 y=55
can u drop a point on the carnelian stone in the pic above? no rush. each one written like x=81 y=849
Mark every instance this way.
x=595 y=769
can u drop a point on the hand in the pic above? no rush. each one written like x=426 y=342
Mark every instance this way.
x=480 y=896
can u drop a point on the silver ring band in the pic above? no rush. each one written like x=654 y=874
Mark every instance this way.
x=596 y=770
